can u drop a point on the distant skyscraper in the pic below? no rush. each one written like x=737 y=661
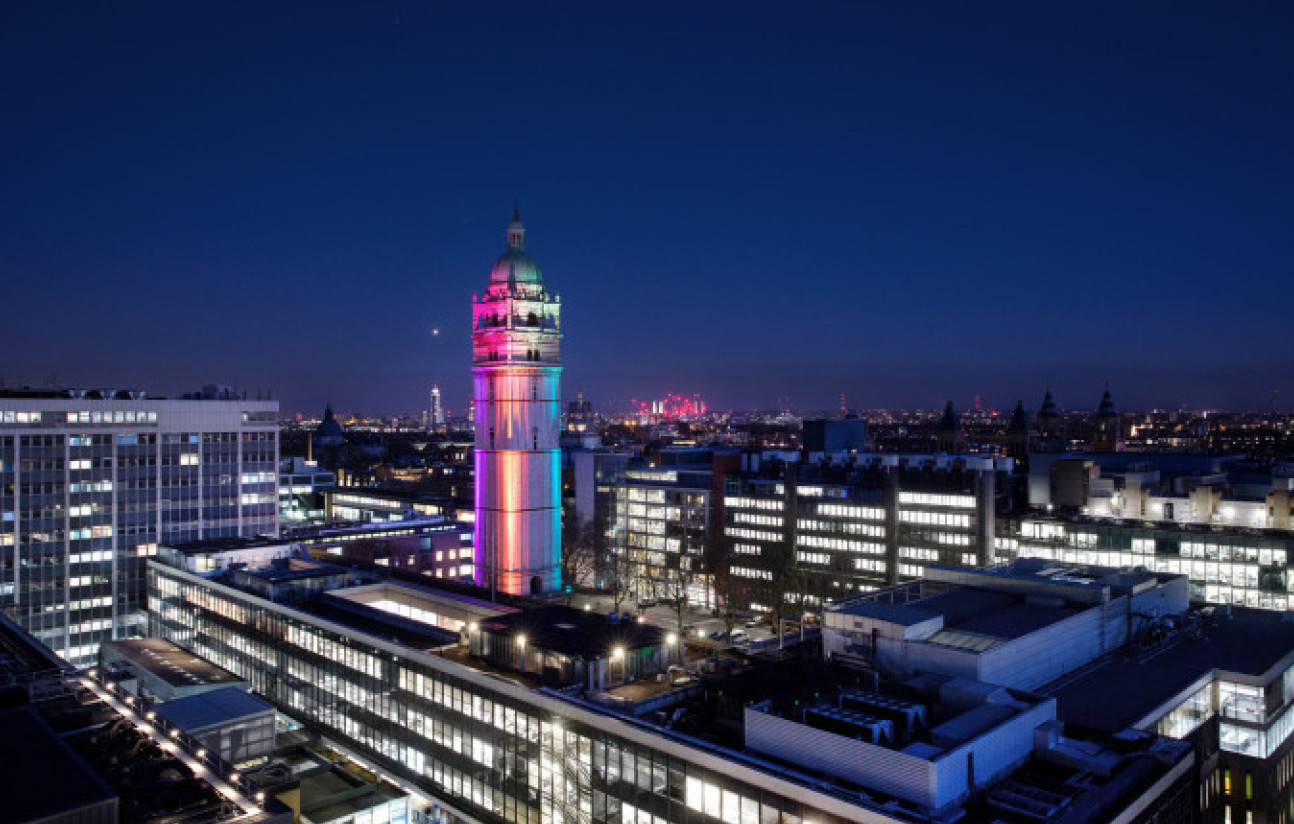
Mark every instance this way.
x=516 y=368
x=91 y=482
x=435 y=412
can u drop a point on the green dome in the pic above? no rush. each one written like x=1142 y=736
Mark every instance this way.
x=514 y=265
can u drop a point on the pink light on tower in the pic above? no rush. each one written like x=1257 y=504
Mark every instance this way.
x=516 y=369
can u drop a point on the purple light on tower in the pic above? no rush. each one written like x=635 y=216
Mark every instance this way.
x=516 y=370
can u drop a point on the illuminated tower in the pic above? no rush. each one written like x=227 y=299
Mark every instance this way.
x=435 y=412
x=516 y=369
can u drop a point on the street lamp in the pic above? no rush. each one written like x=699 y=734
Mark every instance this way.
x=618 y=654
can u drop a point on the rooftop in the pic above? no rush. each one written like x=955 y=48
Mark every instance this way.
x=412 y=634
x=76 y=394
x=206 y=709
x=292 y=569
x=228 y=544
x=973 y=618
x=28 y=773
x=420 y=603
x=174 y=665
x=333 y=795
x=574 y=632
x=1130 y=685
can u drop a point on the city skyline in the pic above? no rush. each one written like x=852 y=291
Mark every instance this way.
x=902 y=205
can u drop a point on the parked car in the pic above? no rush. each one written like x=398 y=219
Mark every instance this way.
x=757 y=621
x=719 y=635
x=739 y=636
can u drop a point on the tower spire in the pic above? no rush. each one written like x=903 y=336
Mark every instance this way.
x=516 y=231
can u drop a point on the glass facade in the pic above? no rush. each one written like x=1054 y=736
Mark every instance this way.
x=497 y=751
x=666 y=533
x=1224 y=567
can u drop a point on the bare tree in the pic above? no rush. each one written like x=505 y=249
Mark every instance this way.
x=619 y=573
x=671 y=586
x=579 y=553
x=734 y=600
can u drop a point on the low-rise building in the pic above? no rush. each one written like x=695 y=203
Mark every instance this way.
x=159 y=669
x=501 y=729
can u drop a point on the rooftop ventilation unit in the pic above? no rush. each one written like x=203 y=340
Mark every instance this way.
x=851 y=724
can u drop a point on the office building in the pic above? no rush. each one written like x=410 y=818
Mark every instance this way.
x=91 y=482
x=1225 y=566
x=1218 y=519
x=801 y=533
x=301 y=486
x=516 y=369
x=378 y=505
x=426 y=546
x=1168 y=489
x=847 y=434
x=536 y=714
x=1123 y=653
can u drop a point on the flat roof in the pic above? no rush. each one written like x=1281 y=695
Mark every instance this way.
x=1129 y=686
x=904 y=615
x=227 y=544
x=983 y=612
x=291 y=569
x=331 y=795
x=419 y=597
x=207 y=709
x=174 y=665
x=1017 y=619
x=40 y=775
x=21 y=654
x=360 y=617
x=574 y=632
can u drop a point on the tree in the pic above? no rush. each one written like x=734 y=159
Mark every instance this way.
x=579 y=553
x=618 y=574
x=671 y=586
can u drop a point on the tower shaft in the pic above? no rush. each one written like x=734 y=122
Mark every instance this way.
x=516 y=368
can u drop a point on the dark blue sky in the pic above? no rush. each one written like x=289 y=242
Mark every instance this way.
x=904 y=202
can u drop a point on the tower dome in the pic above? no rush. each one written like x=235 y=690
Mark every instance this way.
x=514 y=265
x=329 y=432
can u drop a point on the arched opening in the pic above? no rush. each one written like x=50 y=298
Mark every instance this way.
x=536 y=585
x=532 y=319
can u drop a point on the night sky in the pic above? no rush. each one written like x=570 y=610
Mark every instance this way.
x=903 y=202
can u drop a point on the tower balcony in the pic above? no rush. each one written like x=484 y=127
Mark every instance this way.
x=517 y=357
x=530 y=320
